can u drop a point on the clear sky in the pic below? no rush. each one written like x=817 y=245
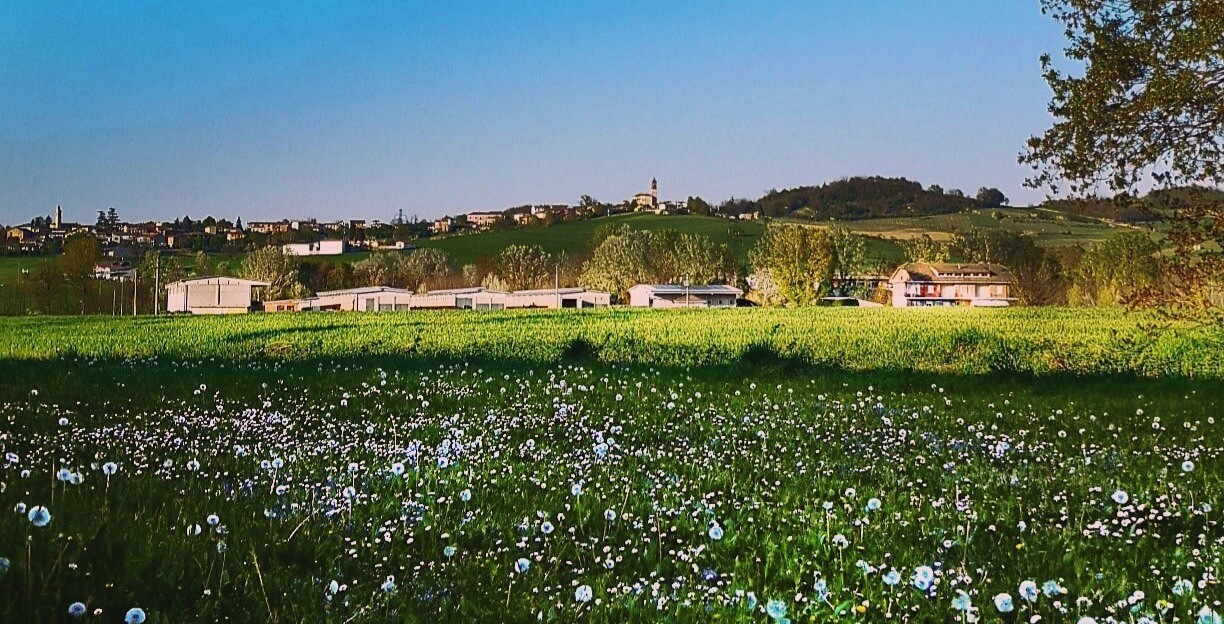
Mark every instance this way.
x=354 y=110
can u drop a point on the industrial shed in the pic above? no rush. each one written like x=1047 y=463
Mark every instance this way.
x=369 y=299
x=212 y=295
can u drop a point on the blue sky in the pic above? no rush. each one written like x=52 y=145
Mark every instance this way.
x=355 y=110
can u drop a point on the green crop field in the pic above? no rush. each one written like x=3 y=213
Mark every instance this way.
x=1049 y=228
x=745 y=465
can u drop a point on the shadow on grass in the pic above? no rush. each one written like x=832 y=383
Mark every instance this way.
x=92 y=380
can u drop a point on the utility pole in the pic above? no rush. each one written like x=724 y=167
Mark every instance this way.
x=157 y=285
x=135 y=289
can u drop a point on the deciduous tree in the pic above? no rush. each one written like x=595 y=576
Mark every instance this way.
x=797 y=261
x=1147 y=107
x=281 y=270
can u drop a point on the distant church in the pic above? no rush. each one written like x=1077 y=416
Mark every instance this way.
x=648 y=201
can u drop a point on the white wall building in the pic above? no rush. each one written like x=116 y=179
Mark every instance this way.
x=321 y=248
x=385 y=299
x=680 y=296
x=554 y=298
x=212 y=295
x=369 y=299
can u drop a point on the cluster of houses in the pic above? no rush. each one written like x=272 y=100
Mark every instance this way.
x=916 y=284
x=527 y=215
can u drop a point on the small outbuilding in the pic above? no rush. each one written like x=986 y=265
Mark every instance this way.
x=681 y=296
x=212 y=295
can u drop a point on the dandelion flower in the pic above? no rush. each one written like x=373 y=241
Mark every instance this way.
x=962 y=602
x=39 y=516
x=716 y=532
x=76 y=609
x=1051 y=588
x=109 y=468
x=873 y=504
x=522 y=565
x=1182 y=587
x=449 y=551
x=1003 y=602
x=546 y=527
x=1028 y=591
x=583 y=593
x=891 y=578
x=135 y=615
x=1120 y=497
x=775 y=609
x=1187 y=466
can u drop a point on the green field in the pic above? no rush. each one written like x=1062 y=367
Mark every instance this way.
x=1047 y=227
x=742 y=465
x=954 y=340
x=612 y=466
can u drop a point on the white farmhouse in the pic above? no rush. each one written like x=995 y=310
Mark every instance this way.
x=681 y=296
x=212 y=295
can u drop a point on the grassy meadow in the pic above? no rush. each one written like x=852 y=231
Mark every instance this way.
x=740 y=465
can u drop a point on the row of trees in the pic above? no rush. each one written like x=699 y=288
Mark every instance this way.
x=863 y=198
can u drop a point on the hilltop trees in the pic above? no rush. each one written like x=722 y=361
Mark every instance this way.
x=991 y=198
x=1149 y=106
x=862 y=198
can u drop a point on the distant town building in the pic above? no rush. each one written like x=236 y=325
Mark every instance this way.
x=445 y=225
x=268 y=227
x=212 y=295
x=113 y=269
x=320 y=248
x=926 y=284
x=681 y=296
x=484 y=220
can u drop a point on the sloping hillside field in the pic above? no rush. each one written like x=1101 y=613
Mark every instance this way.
x=742 y=466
